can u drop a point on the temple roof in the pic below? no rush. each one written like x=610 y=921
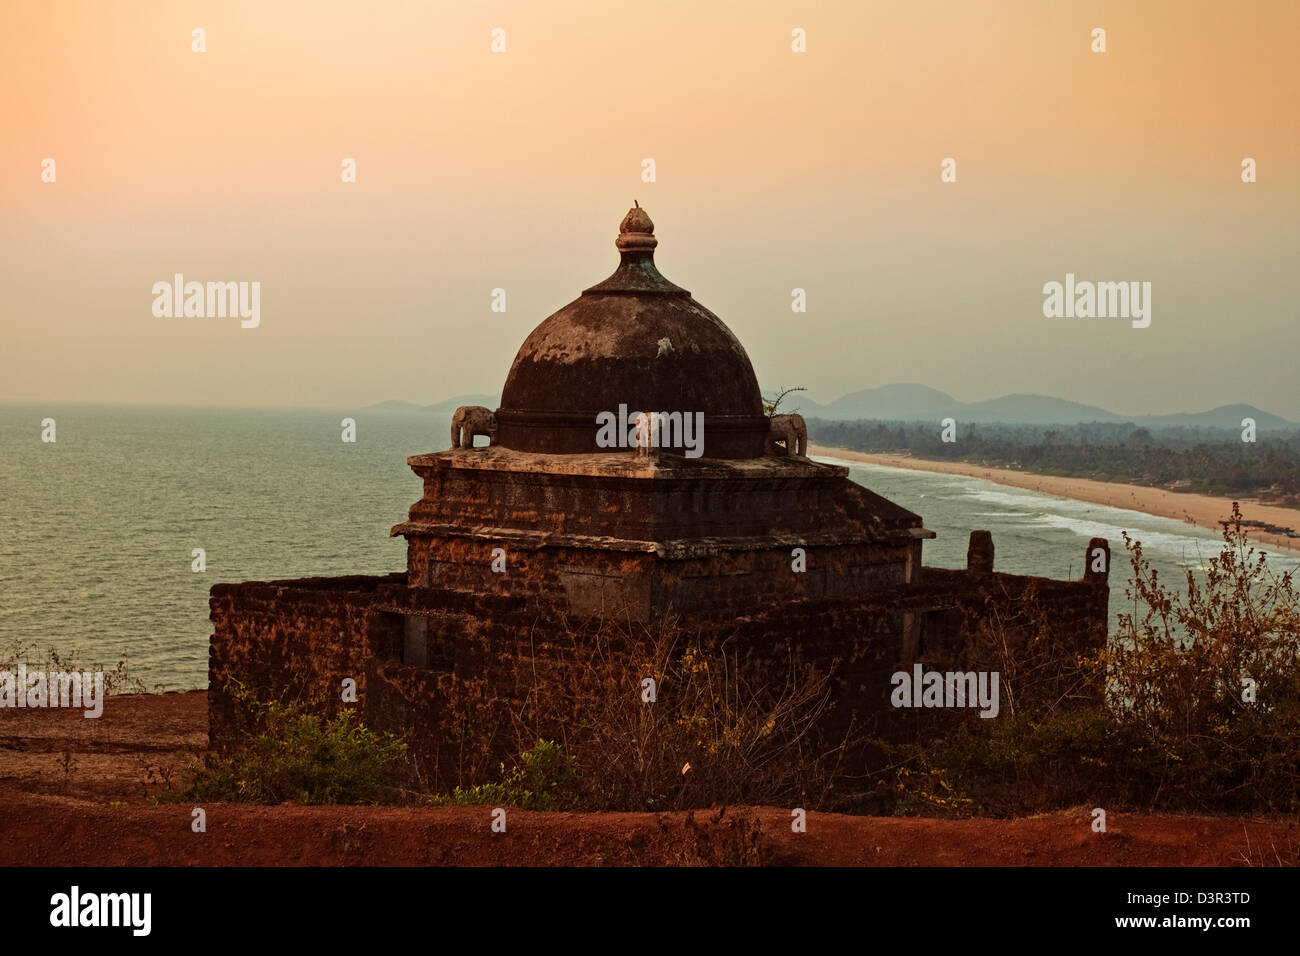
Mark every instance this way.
x=635 y=340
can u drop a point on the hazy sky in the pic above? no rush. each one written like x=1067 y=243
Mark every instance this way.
x=775 y=170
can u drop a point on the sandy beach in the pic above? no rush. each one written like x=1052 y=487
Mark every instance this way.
x=1202 y=510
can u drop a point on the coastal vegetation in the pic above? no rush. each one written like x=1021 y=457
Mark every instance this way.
x=1208 y=461
x=1200 y=709
x=118 y=679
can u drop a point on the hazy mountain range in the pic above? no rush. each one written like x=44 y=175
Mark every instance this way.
x=921 y=403
x=446 y=407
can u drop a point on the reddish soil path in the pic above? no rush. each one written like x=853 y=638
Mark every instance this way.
x=61 y=777
x=57 y=831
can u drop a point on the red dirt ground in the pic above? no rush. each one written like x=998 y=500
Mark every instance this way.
x=73 y=791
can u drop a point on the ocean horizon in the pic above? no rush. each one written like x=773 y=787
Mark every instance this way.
x=99 y=527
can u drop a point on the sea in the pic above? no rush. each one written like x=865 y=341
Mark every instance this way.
x=99 y=528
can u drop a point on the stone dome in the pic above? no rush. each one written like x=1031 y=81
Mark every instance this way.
x=638 y=341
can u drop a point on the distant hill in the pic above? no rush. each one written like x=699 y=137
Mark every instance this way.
x=449 y=405
x=909 y=402
x=446 y=407
x=1036 y=410
x=920 y=402
x=1225 y=416
x=393 y=406
x=890 y=401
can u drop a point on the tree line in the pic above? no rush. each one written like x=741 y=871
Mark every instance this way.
x=1206 y=460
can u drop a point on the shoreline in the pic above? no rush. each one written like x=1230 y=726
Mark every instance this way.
x=1202 y=510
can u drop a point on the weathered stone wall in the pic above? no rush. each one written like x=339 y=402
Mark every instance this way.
x=719 y=584
x=292 y=640
x=865 y=640
x=454 y=669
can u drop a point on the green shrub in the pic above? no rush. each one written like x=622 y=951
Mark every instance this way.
x=299 y=757
x=535 y=784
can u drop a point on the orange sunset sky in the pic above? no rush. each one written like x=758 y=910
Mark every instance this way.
x=775 y=170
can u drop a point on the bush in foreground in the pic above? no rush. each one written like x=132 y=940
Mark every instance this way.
x=1201 y=710
x=535 y=783
x=300 y=757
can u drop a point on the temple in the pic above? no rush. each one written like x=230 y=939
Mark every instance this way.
x=650 y=534
x=740 y=535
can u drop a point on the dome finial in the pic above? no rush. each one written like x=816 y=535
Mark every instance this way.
x=637 y=231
